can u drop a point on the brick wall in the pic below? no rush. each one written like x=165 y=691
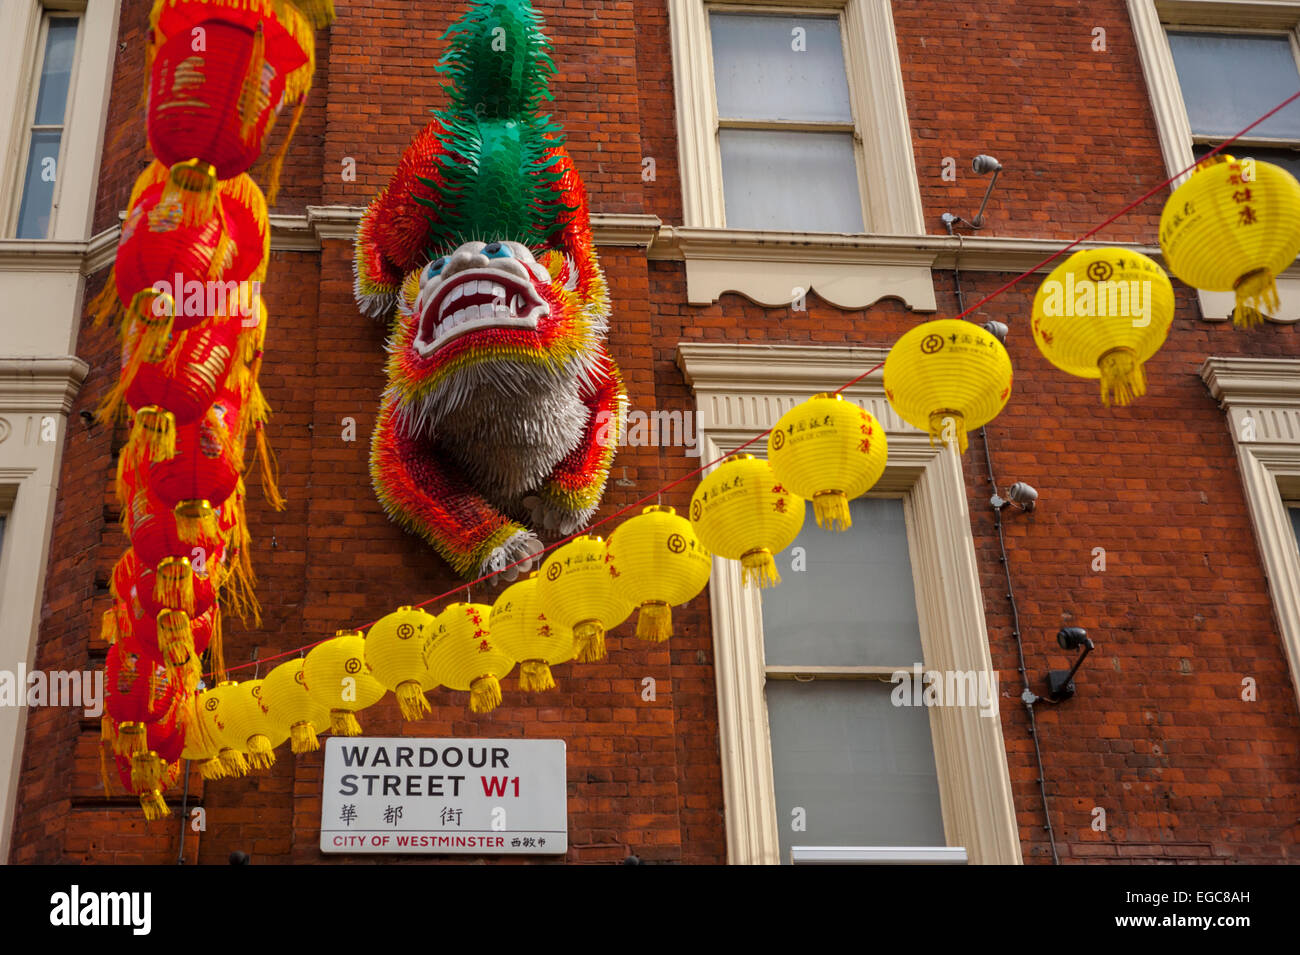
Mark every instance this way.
x=1157 y=735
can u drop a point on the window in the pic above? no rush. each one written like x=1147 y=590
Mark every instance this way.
x=48 y=113
x=1295 y=521
x=850 y=768
x=920 y=571
x=1194 y=55
x=785 y=125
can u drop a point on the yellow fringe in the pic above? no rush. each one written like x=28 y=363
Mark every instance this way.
x=344 y=723
x=216 y=652
x=831 y=508
x=146 y=771
x=939 y=425
x=411 y=700
x=1256 y=292
x=105 y=747
x=484 y=694
x=130 y=739
x=153 y=174
x=175 y=639
x=1122 y=378
x=655 y=621
x=153 y=436
x=319 y=13
x=232 y=760
x=758 y=568
x=251 y=102
x=589 y=636
x=195 y=521
x=108 y=631
x=154 y=806
x=213 y=769
x=270 y=470
x=106 y=305
x=173 y=584
x=260 y=754
x=277 y=162
x=192 y=185
x=535 y=676
x=303 y=738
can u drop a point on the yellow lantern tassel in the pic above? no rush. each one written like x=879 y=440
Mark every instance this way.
x=411 y=700
x=485 y=694
x=153 y=435
x=1122 y=379
x=216 y=652
x=535 y=677
x=173 y=584
x=107 y=731
x=260 y=754
x=277 y=163
x=269 y=469
x=146 y=771
x=105 y=305
x=213 y=769
x=191 y=185
x=233 y=762
x=158 y=321
x=154 y=806
x=303 y=738
x=344 y=723
x=946 y=425
x=130 y=739
x=831 y=508
x=174 y=637
x=108 y=626
x=758 y=569
x=195 y=521
x=105 y=746
x=589 y=636
x=1256 y=291
x=251 y=98
x=655 y=621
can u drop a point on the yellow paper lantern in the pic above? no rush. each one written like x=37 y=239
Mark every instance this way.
x=337 y=677
x=217 y=717
x=657 y=563
x=523 y=632
x=201 y=745
x=948 y=377
x=248 y=724
x=1100 y=314
x=829 y=451
x=1233 y=226
x=577 y=591
x=286 y=697
x=464 y=656
x=743 y=512
x=395 y=650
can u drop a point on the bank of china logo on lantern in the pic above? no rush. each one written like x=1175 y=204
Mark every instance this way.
x=1099 y=295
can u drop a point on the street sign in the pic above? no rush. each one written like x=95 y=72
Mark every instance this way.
x=436 y=796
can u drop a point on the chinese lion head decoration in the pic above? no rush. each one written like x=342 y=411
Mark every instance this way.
x=503 y=405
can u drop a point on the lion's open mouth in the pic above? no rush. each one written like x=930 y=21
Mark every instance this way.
x=473 y=300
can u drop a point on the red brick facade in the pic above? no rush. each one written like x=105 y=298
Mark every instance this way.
x=1158 y=734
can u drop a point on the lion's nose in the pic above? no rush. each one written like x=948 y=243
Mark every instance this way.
x=464 y=258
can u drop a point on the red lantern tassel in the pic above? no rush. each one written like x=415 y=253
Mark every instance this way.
x=106 y=304
x=153 y=435
x=216 y=653
x=130 y=739
x=277 y=162
x=270 y=470
x=108 y=631
x=192 y=185
x=173 y=585
x=195 y=521
x=175 y=639
x=319 y=13
x=154 y=806
x=146 y=771
x=252 y=101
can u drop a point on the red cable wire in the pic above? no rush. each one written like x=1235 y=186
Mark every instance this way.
x=992 y=295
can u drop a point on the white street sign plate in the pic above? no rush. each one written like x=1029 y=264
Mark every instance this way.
x=436 y=796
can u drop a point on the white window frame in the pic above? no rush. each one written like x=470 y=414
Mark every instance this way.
x=1151 y=19
x=1261 y=397
x=741 y=391
x=769 y=266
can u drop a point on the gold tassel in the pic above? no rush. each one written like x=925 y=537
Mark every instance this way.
x=232 y=760
x=270 y=470
x=277 y=163
x=1122 y=379
x=158 y=321
x=146 y=771
x=195 y=521
x=655 y=621
x=105 y=305
x=319 y=13
x=411 y=700
x=191 y=185
x=154 y=806
x=260 y=754
x=153 y=435
x=108 y=626
x=303 y=738
x=590 y=639
x=1256 y=291
x=758 y=569
x=105 y=746
x=130 y=739
x=831 y=509
x=941 y=422
x=534 y=677
x=173 y=584
x=251 y=101
x=344 y=723
x=212 y=769
x=175 y=639
x=216 y=653
x=484 y=694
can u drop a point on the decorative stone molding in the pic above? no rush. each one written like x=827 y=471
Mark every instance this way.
x=741 y=391
x=35 y=385
x=1261 y=397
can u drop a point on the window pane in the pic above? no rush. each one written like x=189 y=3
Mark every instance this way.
x=861 y=768
x=1295 y=523
x=1288 y=159
x=1229 y=81
x=792 y=182
x=38 y=188
x=855 y=605
x=766 y=68
x=56 y=72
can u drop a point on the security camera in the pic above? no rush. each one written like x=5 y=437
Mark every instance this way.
x=984 y=164
x=997 y=329
x=1072 y=638
x=1022 y=494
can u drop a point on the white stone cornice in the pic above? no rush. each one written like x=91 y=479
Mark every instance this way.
x=1253 y=381
x=41 y=384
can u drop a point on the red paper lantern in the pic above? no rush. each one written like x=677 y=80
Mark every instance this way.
x=150 y=772
x=151 y=526
x=204 y=471
x=138 y=691
x=176 y=585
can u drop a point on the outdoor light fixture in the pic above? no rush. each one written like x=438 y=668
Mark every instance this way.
x=982 y=165
x=1060 y=683
x=997 y=329
x=1020 y=494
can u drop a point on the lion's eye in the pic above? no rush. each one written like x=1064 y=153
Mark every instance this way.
x=497 y=250
x=434 y=268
